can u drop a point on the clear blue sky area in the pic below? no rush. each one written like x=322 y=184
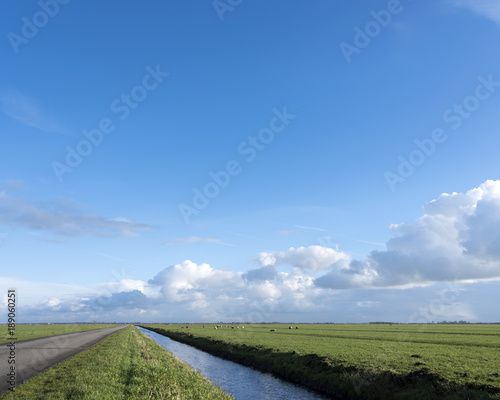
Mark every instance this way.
x=286 y=160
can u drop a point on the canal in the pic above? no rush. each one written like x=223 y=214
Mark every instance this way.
x=242 y=382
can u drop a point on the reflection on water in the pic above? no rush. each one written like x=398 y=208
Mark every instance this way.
x=240 y=381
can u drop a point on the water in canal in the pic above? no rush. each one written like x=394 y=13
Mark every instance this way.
x=240 y=381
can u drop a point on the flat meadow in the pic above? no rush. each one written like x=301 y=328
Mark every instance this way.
x=370 y=360
x=125 y=365
x=33 y=331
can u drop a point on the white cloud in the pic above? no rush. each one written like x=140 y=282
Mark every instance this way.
x=30 y=112
x=62 y=217
x=126 y=285
x=486 y=8
x=182 y=282
x=312 y=257
x=264 y=290
x=194 y=290
x=457 y=239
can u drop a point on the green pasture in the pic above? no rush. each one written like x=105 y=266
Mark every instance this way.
x=450 y=358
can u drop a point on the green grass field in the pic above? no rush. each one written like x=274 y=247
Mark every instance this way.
x=125 y=365
x=375 y=361
x=24 y=332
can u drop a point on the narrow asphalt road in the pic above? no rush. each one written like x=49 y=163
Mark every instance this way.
x=36 y=355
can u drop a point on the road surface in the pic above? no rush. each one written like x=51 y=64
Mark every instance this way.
x=36 y=355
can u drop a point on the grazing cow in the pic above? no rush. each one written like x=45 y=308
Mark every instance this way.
x=272 y=330
x=203 y=326
x=242 y=327
x=290 y=327
x=296 y=327
x=215 y=327
x=232 y=327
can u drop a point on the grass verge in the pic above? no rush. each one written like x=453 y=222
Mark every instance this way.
x=125 y=365
x=329 y=374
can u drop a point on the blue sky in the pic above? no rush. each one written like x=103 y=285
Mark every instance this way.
x=284 y=161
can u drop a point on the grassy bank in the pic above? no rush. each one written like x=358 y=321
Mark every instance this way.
x=24 y=332
x=371 y=361
x=125 y=365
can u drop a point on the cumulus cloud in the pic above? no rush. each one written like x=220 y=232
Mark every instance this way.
x=266 y=273
x=197 y=290
x=456 y=239
x=184 y=281
x=130 y=299
x=312 y=257
x=486 y=8
x=63 y=217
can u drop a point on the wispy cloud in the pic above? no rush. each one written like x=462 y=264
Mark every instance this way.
x=486 y=8
x=227 y=244
x=13 y=184
x=110 y=257
x=366 y=303
x=44 y=238
x=285 y=233
x=63 y=217
x=311 y=228
x=192 y=240
x=30 y=112
x=374 y=243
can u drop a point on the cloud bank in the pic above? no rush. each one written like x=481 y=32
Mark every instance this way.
x=457 y=239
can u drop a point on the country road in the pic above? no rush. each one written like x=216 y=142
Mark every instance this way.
x=36 y=355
